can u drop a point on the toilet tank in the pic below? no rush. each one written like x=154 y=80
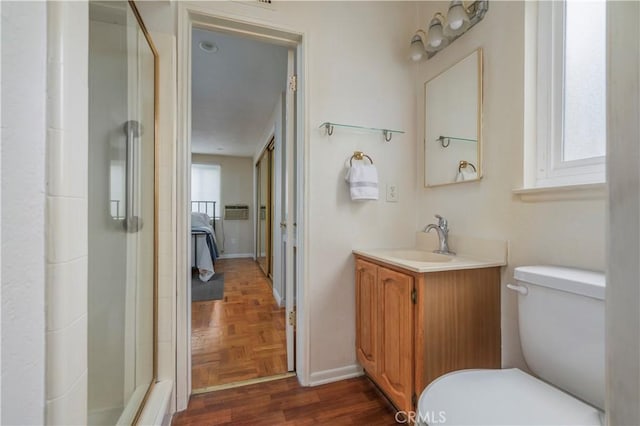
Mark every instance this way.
x=561 y=321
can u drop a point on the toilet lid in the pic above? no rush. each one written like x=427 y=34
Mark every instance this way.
x=500 y=397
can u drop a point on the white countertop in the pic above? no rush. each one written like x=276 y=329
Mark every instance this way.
x=473 y=253
x=456 y=262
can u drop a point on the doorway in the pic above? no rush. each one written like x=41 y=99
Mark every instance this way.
x=241 y=296
x=293 y=231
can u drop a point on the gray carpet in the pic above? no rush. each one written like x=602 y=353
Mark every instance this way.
x=211 y=290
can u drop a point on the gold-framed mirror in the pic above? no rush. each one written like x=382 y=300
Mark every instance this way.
x=453 y=123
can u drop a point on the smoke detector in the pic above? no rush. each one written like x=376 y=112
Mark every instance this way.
x=208 y=46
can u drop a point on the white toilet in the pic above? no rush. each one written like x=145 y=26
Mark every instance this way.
x=561 y=321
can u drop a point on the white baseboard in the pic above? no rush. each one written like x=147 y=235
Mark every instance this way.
x=235 y=255
x=335 y=374
x=276 y=295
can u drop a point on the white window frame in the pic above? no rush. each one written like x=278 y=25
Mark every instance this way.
x=550 y=169
x=218 y=206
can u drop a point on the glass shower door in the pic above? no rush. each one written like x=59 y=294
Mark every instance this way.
x=121 y=267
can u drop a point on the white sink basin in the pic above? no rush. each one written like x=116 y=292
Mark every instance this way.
x=417 y=256
x=473 y=253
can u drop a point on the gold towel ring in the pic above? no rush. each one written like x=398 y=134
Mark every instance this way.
x=464 y=164
x=359 y=155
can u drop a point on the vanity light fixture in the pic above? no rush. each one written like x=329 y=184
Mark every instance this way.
x=443 y=31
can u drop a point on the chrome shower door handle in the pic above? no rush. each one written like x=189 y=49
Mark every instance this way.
x=132 y=130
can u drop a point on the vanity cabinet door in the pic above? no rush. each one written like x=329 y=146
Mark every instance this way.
x=367 y=347
x=395 y=320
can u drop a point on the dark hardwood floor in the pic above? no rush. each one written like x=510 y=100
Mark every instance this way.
x=284 y=402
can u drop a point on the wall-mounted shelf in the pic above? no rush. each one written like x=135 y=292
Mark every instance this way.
x=446 y=140
x=386 y=133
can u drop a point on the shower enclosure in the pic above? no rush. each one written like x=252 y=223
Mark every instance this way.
x=122 y=213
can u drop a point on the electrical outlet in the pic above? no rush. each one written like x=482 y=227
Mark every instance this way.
x=392 y=193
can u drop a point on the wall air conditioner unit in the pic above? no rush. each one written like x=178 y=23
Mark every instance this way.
x=236 y=212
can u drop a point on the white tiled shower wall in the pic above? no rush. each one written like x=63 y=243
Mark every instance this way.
x=66 y=223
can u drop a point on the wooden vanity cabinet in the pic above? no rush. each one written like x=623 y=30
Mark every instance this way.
x=385 y=329
x=411 y=328
x=367 y=347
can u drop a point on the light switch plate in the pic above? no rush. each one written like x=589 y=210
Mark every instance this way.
x=392 y=193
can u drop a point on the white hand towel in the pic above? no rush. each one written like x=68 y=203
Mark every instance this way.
x=363 y=181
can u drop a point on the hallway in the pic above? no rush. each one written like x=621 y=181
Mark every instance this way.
x=241 y=337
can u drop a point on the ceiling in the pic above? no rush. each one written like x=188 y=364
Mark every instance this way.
x=234 y=92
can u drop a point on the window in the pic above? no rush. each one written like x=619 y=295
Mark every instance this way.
x=571 y=93
x=205 y=189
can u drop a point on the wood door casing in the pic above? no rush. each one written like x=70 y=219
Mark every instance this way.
x=395 y=320
x=367 y=315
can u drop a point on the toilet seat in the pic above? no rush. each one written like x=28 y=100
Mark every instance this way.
x=500 y=397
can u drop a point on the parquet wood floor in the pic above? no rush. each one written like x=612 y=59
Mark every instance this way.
x=241 y=337
x=284 y=402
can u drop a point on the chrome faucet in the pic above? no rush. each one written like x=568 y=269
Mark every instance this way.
x=442 y=228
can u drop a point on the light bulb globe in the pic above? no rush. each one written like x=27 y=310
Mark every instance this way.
x=417 y=50
x=457 y=19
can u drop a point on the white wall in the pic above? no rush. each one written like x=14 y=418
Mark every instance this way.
x=24 y=44
x=623 y=288
x=570 y=232
x=236 y=187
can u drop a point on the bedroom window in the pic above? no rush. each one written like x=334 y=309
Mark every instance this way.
x=205 y=189
x=571 y=93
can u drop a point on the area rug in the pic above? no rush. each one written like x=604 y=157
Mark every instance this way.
x=211 y=290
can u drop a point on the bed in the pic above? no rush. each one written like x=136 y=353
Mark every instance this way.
x=204 y=245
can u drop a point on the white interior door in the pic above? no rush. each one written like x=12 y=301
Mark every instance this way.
x=289 y=228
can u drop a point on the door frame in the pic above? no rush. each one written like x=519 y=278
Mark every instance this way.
x=207 y=17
